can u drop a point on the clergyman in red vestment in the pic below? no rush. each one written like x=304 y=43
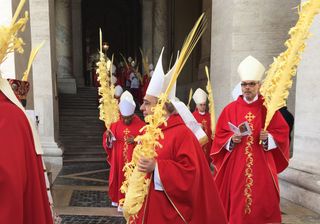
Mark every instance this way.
x=23 y=194
x=119 y=144
x=203 y=118
x=246 y=171
x=182 y=189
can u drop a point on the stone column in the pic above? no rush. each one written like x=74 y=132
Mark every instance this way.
x=66 y=81
x=44 y=81
x=77 y=42
x=300 y=183
x=147 y=28
x=241 y=28
x=205 y=42
x=160 y=31
x=7 y=69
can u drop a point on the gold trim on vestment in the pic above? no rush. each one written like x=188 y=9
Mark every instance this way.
x=249 y=163
x=125 y=148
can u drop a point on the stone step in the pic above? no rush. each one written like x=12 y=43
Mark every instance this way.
x=80 y=128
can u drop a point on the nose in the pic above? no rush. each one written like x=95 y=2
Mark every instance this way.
x=142 y=107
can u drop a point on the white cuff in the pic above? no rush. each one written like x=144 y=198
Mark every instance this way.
x=156 y=179
x=227 y=145
x=271 y=143
x=110 y=140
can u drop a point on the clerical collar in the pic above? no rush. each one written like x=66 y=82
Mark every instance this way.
x=202 y=113
x=250 y=102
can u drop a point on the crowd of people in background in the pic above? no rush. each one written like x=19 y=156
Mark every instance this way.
x=125 y=74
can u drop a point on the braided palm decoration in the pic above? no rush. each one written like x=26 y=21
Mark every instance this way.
x=278 y=82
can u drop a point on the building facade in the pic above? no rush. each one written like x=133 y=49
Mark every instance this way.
x=236 y=28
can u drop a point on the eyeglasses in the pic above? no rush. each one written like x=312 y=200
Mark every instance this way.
x=250 y=84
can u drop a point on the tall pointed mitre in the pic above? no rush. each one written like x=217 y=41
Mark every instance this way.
x=159 y=81
x=155 y=85
x=167 y=78
x=251 y=69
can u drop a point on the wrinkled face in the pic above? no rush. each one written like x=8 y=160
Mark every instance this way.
x=202 y=107
x=127 y=119
x=148 y=103
x=250 y=89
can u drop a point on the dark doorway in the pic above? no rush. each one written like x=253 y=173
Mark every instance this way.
x=120 y=22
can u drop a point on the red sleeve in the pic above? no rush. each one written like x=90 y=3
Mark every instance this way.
x=222 y=135
x=279 y=130
x=105 y=142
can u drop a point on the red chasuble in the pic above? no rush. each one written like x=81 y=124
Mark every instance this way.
x=23 y=194
x=247 y=176
x=120 y=153
x=190 y=194
x=205 y=121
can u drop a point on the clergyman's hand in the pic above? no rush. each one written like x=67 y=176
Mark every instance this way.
x=146 y=165
x=130 y=140
x=236 y=138
x=263 y=135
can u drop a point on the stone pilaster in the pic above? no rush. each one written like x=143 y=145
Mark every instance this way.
x=147 y=28
x=44 y=81
x=160 y=30
x=66 y=81
x=205 y=42
x=77 y=42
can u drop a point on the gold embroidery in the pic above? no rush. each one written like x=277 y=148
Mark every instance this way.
x=249 y=163
x=125 y=148
x=250 y=117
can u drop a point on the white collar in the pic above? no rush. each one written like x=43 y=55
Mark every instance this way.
x=202 y=113
x=250 y=102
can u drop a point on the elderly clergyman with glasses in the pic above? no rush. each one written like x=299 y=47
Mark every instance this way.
x=247 y=158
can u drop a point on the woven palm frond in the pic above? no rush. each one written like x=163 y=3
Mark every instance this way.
x=211 y=103
x=9 y=40
x=109 y=112
x=278 y=82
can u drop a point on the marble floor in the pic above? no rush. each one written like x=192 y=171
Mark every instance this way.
x=80 y=196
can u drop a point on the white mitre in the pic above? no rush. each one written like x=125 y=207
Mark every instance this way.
x=236 y=92
x=200 y=96
x=126 y=94
x=127 y=105
x=160 y=81
x=118 y=91
x=190 y=121
x=251 y=69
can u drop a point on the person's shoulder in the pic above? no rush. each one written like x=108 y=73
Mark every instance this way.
x=12 y=113
x=138 y=120
x=230 y=106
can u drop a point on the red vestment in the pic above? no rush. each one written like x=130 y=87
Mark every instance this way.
x=247 y=176
x=121 y=77
x=189 y=189
x=205 y=121
x=120 y=153
x=23 y=194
